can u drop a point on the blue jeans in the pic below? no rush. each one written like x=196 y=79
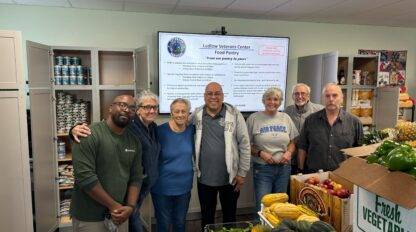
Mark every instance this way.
x=171 y=210
x=135 y=223
x=270 y=179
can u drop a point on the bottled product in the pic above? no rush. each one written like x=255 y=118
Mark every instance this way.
x=341 y=77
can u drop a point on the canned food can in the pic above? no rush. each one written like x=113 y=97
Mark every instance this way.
x=72 y=80
x=87 y=71
x=78 y=70
x=75 y=60
x=61 y=150
x=65 y=70
x=80 y=80
x=72 y=70
x=59 y=60
x=66 y=60
x=65 y=80
x=57 y=70
x=58 y=80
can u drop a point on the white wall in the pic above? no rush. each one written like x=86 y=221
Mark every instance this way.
x=76 y=27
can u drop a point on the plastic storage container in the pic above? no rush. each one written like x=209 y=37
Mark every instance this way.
x=229 y=227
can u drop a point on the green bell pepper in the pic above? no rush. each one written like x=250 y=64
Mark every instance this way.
x=400 y=158
x=373 y=158
x=385 y=148
x=382 y=161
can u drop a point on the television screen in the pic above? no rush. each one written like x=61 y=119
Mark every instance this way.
x=245 y=66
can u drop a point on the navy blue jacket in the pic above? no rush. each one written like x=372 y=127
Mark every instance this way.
x=150 y=154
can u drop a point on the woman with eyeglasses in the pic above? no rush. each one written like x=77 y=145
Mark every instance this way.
x=145 y=130
x=172 y=192
x=272 y=135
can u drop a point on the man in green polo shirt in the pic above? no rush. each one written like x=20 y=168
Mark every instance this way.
x=108 y=172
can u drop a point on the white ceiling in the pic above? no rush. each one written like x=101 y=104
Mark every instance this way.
x=397 y=13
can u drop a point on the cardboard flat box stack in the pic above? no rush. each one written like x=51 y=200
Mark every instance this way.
x=331 y=209
x=383 y=200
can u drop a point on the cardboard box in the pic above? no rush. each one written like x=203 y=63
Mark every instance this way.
x=331 y=209
x=361 y=151
x=383 y=200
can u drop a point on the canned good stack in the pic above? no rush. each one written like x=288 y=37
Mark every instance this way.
x=69 y=71
x=70 y=112
x=65 y=207
x=66 y=175
x=61 y=149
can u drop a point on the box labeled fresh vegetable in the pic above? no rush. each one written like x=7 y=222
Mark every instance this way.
x=373 y=213
x=384 y=200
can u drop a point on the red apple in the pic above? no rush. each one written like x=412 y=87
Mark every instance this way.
x=331 y=191
x=321 y=185
x=316 y=180
x=343 y=193
x=327 y=181
x=330 y=185
x=310 y=181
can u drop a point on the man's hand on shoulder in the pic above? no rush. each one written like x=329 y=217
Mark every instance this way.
x=80 y=131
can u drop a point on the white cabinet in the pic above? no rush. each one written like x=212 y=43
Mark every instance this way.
x=316 y=71
x=357 y=77
x=59 y=100
x=15 y=194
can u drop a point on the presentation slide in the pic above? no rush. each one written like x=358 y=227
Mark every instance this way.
x=245 y=66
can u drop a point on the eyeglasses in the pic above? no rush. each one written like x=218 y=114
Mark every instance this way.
x=149 y=107
x=300 y=94
x=214 y=94
x=124 y=106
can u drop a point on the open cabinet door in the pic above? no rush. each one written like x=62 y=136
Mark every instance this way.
x=43 y=142
x=142 y=69
x=142 y=72
x=387 y=107
x=316 y=71
x=15 y=193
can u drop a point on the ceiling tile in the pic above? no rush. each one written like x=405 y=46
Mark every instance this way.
x=353 y=7
x=148 y=7
x=58 y=3
x=98 y=4
x=196 y=11
x=168 y=2
x=299 y=8
x=215 y=4
x=250 y=5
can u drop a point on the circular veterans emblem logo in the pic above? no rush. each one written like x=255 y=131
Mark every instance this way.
x=176 y=47
x=313 y=200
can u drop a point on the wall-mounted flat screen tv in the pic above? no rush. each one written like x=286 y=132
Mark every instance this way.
x=245 y=66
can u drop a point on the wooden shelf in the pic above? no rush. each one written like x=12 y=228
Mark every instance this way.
x=66 y=187
x=72 y=87
x=65 y=221
x=68 y=157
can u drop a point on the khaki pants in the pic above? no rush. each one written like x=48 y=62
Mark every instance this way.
x=81 y=226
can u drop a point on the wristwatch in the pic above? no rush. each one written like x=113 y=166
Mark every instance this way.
x=258 y=153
